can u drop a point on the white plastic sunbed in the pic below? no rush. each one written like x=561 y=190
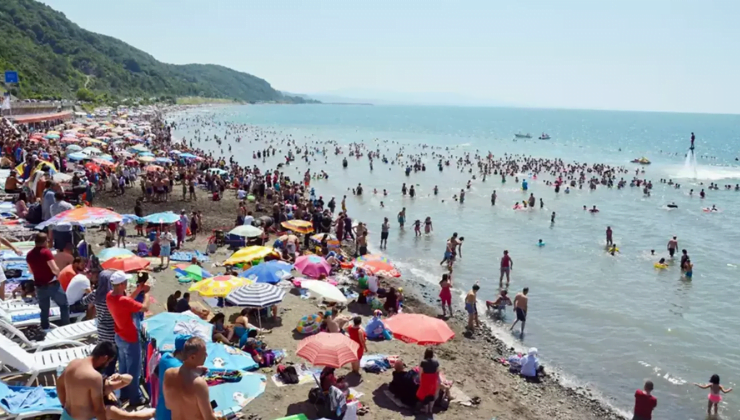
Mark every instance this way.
x=67 y=335
x=33 y=312
x=18 y=361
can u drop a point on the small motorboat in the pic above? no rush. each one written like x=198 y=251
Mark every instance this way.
x=642 y=161
x=544 y=136
x=523 y=136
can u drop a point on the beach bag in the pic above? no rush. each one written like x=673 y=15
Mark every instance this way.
x=288 y=375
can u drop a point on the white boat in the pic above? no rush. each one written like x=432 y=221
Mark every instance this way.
x=544 y=136
x=523 y=136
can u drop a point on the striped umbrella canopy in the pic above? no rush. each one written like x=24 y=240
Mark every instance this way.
x=327 y=349
x=300 y=226
x=82 y=216
x=256 y=295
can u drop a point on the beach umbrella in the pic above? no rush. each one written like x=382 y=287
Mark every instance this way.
x=91 y=151
x=219 y=286
x=61 y=177
x=146 y=159
x=109 y=253
x=166 y=217
x=93 y=141
x=140 y=148
x=218 y=171
x=82 y=216
x=73 y=148
x=249 y=254
x=247 y=231
x=312 y=266
x=106 y=156
x=103 y=162
x=300 y=226
x=268 y=272
x=92 y=167
x=324 y=289
x=331 y=241
x=188 y=156
x=77 y=156
x=419 y=329
x=161 y=327
x=256 y=295
x=378 y=267
x=163 y=160
x=193 y=271
x=153 y=168
x=67 y=139
x=51 y=136
x=127 y=264
x=328 y=349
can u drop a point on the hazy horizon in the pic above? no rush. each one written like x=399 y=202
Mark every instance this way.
x=663 y=55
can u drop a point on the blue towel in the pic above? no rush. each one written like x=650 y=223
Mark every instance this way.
x=25 y=317
x=186 y=256
x=21 y=399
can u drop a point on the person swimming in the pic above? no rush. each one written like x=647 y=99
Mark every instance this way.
x=672 y=205
x=593 y=210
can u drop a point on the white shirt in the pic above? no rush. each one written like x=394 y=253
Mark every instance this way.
x=76 y=288
x=248 y=219
x=372 y=284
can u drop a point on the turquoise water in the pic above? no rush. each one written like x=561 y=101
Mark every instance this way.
x=608 y=322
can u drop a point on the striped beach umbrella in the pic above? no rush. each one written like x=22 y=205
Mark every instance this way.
x=256 y=295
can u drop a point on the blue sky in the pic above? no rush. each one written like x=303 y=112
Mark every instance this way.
x=658 y=55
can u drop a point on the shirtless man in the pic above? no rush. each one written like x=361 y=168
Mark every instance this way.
x=185 y=390
x=450 y=251
x=471 y=307
x=520 y=307
x=672 y=246
x=80 y=387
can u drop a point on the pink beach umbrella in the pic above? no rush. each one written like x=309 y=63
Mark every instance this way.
x=312 y=266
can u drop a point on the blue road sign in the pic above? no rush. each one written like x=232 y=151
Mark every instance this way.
x=11 y=77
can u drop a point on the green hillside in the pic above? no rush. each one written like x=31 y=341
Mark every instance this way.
x=56 y=58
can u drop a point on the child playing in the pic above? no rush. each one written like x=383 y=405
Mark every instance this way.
x=714 y=393
x=417 y=227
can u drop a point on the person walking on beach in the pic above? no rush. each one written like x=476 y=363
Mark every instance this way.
x=645 y=402
x=672 y=246
x=609 y=240
x=471 y=307
x=384 y=228
x=445 y=295
x=507 y=264
x=520 y=307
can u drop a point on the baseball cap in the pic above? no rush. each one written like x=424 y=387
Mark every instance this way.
x=180 y=341
x=118 y=277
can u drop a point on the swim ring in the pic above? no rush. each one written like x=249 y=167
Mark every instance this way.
x=346 y=265
x=660 y=266
x=309 y=324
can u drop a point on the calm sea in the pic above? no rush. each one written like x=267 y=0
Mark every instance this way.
x=608 y=322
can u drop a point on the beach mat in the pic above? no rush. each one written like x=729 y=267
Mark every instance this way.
x=232 y=397
x=187 y=256
x=305 y=376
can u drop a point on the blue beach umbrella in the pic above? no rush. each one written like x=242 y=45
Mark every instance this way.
x=268 y=272
x=73 y=148
x=163 y=160
x=161 y=327
x=188 y=155
x=163 y=217
x=77 y=156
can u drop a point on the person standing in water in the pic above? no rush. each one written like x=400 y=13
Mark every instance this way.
x=493 y=198
x=402 y=217
x=609 y=240
x=384 y=228
x=714 y=393
x=692 y=140
x=672 y=246
x=520 y=308
x=507 y=264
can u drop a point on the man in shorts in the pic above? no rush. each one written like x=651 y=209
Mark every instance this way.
x=520 y=307
x=471 y=307
x=672 y=246
x=384 y=228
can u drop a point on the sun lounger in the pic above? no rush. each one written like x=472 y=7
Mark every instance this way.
x=24 y=314
x=68 y=335
x=32 y=364
x=22 y=402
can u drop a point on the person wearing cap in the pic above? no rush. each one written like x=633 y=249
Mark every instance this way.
x=122 y=308
x=167 y=361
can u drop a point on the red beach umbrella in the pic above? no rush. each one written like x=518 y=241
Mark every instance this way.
x=328 y=349
x=419 y=329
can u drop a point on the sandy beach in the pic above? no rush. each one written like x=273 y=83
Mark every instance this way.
x=471 y=361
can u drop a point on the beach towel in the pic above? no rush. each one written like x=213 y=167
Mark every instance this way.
x=187 y=256
x=20 y=399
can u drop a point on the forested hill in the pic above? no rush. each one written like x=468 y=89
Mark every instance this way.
x=56 y=58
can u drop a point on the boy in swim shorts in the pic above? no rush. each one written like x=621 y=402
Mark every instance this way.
x=470 y=307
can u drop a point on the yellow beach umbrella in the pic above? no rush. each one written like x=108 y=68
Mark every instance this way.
x=249 y=254
x=146 y=159
x=94 y=141
x=219 y=286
